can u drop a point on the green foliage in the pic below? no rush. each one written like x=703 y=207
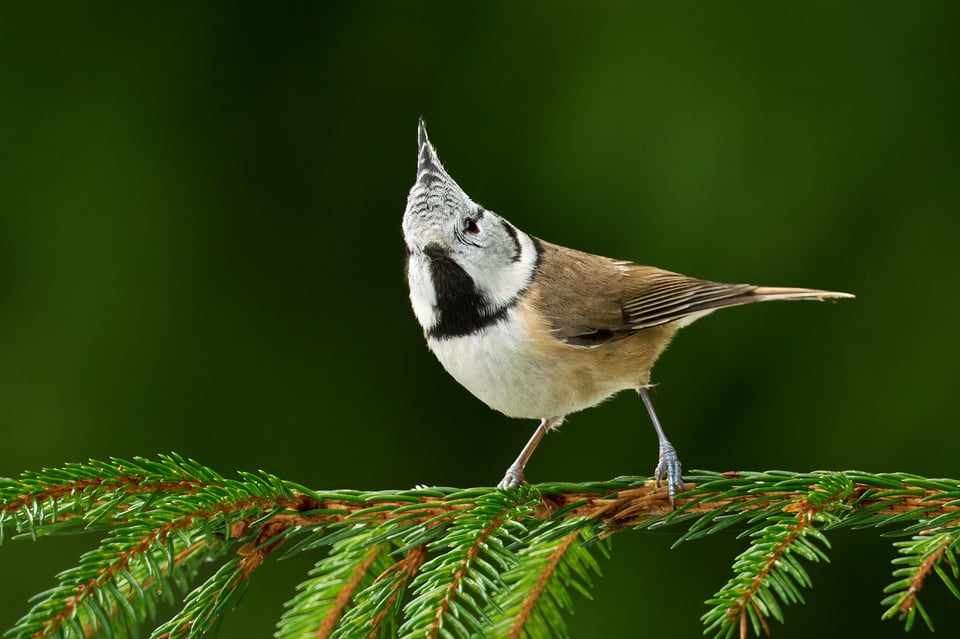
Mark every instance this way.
x=352 y=563
x=538 y=593
x=922 y=553
x=440 y=562
x=770 y=571
x=464 y=575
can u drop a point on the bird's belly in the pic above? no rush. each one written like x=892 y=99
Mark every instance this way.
x=514 y=372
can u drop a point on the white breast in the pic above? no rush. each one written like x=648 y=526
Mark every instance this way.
x=507 y=367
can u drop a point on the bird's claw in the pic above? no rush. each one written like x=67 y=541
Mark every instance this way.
x=512 y=478
x=668 y=467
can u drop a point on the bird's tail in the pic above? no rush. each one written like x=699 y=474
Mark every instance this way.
x=737 y=295
x=766 y=293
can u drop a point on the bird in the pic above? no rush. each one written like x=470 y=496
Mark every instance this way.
x=536 y=330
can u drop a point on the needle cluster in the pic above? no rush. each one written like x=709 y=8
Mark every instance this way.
x=441 y=562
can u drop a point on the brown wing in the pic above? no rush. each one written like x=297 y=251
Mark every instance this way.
x=580 y=295
x=590 y=300
x=653 y=296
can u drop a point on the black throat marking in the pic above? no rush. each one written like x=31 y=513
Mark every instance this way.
x=462 y=309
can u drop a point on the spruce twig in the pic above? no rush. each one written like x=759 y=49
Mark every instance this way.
x=442 y=562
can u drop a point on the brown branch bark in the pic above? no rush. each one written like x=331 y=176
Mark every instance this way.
x=407 y=567
x=343 y=598
x=925 y=569
x=618 y=509
x=157 y=536
x=534 y=595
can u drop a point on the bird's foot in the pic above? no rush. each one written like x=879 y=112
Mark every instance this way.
x=512 y=478
x=668 y=467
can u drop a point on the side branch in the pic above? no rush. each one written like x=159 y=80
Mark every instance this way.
x=526 y=608
x=122 y=561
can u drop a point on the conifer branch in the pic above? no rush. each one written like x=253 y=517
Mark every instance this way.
x=442 y=562
x=468 y=565
x=538 y=595
x=379 y=603
x=329 y=623
x=534 y=595
x=331 y=586
x=931 y=551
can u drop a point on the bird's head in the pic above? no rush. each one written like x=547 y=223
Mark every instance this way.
x=457 y=250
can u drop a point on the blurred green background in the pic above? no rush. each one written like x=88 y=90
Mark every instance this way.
x=200 y=252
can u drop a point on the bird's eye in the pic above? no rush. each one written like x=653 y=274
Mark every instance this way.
x=470 y=226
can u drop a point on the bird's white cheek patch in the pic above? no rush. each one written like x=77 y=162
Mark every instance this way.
x=502 y=285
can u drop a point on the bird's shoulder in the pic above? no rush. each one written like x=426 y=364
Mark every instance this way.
x=580 y=295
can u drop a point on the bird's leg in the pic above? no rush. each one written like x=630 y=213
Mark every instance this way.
x=668 y=466
x=514 y=475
